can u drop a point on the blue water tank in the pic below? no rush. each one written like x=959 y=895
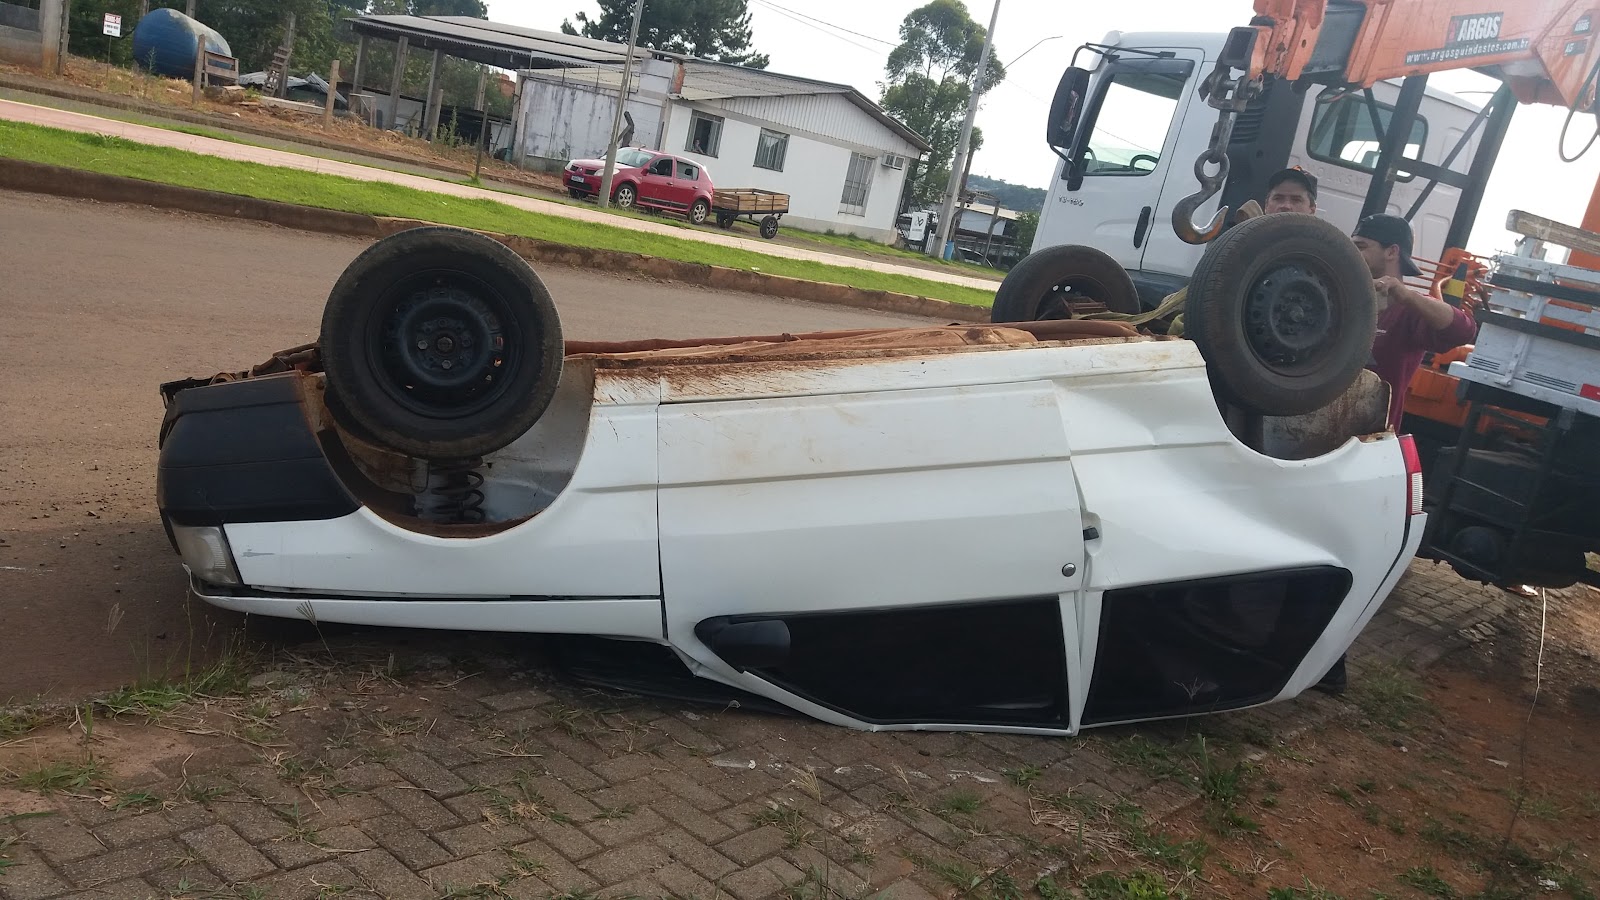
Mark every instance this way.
x=165 y=43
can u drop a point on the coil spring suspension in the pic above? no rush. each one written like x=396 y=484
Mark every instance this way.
x=455 y=490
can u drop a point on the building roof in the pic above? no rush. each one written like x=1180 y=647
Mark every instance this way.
x=708 y=80
x=495 y=44
x=514 y=47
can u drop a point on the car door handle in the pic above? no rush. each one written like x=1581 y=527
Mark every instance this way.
x=1143 y=226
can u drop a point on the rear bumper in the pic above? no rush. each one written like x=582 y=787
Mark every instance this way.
x=245 y=451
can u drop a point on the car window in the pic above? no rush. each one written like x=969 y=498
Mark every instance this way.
x=631 y=157
x=688 y=171
x=662 y=166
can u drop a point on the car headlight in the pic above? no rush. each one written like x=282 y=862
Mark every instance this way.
x=204 y=549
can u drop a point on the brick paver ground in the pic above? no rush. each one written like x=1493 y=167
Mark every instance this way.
x=356 y=780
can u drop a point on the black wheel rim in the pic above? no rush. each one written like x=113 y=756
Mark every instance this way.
x=1289 y=315
x=1072 y=296
x=438 y=344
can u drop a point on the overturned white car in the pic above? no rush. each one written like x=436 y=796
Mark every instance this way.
x=1032 y=526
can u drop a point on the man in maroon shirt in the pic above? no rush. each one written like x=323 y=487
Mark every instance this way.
x=1409 y=323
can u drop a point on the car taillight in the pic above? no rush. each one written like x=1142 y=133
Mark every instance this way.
x=1408 y=451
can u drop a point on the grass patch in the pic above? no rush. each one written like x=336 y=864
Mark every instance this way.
x=118 y=156
x=1426 y=880
x=788 y=820
x=62 y=776
x=1136 y=885
x=522 y=803
x=15 y=722
x=959 y=804
x=1390 y=697
x=1023 y=776
x=1307 y=891
x=153 y=697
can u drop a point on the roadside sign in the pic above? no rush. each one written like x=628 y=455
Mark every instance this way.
x=113 y=25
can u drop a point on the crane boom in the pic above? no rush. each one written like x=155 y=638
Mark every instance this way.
x=1545 y=51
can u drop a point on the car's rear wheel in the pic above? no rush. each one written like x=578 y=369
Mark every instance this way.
x=698 y=212
x=440 y=343
x=1283 y=311
x=1063 y=283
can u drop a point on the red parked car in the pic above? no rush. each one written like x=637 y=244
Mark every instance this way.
x=648 y=180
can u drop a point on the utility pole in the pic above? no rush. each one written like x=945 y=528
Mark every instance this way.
x=959 y=164
x=604 y=198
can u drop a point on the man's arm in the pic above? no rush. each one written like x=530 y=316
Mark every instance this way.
x=1444 y=326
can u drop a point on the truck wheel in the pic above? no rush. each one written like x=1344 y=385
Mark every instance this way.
x=769 y=227
x=1282 y=309
x=440 y=343
x=1048 y=283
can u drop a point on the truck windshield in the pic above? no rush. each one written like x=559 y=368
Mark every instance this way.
x=1132 y=122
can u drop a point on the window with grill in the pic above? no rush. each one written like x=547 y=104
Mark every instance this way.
x=770 y=150
x=857 y=185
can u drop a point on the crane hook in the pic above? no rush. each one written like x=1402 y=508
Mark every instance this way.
x=1210 y=185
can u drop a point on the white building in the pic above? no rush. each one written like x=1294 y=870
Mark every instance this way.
x=841 y=159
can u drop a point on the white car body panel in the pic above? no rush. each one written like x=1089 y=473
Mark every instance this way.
x=873 y=482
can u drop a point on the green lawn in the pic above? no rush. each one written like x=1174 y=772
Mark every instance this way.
x=117 y=156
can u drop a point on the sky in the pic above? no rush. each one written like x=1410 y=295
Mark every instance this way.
x=848 y=41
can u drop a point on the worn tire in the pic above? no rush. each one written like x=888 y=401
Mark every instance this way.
x=1037 y=288
x=494 y=344
x=1283 y=311
x=769 y=227
x=724 y=220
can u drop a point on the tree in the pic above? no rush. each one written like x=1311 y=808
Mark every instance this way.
x=710 y=29
x=930 y=81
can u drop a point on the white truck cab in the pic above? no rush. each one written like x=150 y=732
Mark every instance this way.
x=1142 y=124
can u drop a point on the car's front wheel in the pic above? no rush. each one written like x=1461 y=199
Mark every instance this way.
x=624 y=196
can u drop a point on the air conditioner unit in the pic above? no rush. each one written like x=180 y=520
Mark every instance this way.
x=893 y=161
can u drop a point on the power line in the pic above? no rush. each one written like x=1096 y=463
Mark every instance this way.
x=804 y=19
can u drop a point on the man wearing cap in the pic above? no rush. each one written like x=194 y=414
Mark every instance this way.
x=1292 y=190
x=1409 y=323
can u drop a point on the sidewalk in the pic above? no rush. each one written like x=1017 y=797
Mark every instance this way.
x=486 y=779
x=73 y=121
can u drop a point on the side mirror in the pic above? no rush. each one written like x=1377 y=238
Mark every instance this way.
x=1066 y=108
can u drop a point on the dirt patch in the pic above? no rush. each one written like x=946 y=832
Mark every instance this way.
x=1431 y=795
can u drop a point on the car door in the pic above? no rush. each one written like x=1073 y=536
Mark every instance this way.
x=687 y=185
x=655 y=182
x=853 y=554
x=1115 y=195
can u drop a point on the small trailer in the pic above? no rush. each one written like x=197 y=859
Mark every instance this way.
x=730 y=204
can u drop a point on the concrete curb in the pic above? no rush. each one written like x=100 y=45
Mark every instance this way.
x=41 y=178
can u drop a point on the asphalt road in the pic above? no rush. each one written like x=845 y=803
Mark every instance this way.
x=102 y=303
x=161 y=137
